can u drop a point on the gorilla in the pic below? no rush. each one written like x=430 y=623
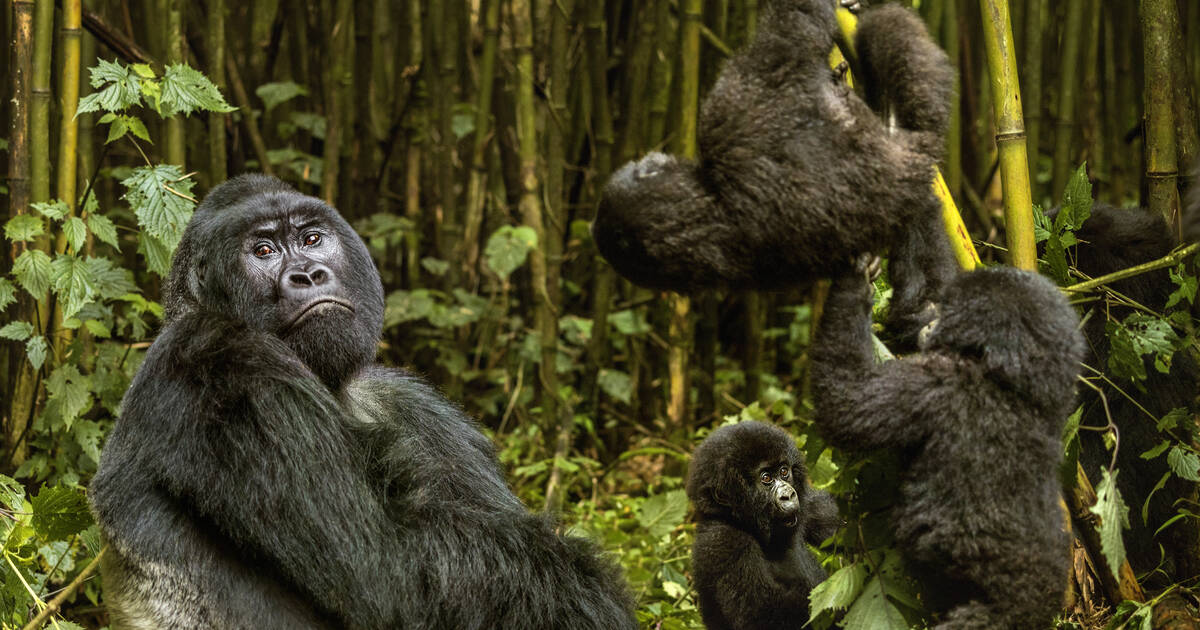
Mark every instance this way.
x=1110 y=240
x=976 y=418
x=265 y=473
x=796 y=174
x=755 y=512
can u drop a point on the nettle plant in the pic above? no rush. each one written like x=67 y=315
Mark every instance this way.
x=83 y=322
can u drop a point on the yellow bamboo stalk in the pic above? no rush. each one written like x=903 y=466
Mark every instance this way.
x=68 y=102
x=956 y=230
x=1162 y=162
x=1010 y=133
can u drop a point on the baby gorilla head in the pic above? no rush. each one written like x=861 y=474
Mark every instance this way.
x=259 y=253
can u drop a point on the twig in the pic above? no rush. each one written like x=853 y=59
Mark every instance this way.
x=1170 y=260
x=55 y=604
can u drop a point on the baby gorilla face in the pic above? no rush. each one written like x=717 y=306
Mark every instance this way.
x=775 y=481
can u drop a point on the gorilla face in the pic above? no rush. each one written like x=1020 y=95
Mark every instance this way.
x=285 y=264
x=775 y=484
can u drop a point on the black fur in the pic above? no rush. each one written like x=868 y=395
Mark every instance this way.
x=1110 y=240
x=796 y=174
x=976 y=418
x=267 y=475
x=750 y=563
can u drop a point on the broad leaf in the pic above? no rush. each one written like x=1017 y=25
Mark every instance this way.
x=24 y=227
x=185 y=90
x=32 y=270
x=122 y=88
x=161 y=198
x=76 y=232
x=104 y=230
x=8 y=294
x=662 y=513
x=839 y=590
x=35 y=350
x=73 y=283
x=16 y=331
x=60 y=512
x=508 y=247
x=1114 y=516
x=616 y=384
x=273 y=94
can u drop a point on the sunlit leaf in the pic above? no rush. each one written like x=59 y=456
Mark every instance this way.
x=60 y=512
x=185 y=90
x=1114 y=516
x=24 y=227
x=32 y=271
x=662 y=513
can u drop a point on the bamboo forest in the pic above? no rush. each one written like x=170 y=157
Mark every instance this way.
x=666 y=314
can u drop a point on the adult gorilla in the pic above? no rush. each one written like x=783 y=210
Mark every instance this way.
x=266 y=474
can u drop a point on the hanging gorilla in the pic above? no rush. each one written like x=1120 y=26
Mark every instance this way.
x=976 y=418
x=265 y=473
x=796 y=174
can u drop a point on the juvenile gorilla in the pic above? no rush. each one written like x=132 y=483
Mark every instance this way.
x=1113 y=239
x=797 y=175
x=976 y=418
x=265 y=473
x=754 y=515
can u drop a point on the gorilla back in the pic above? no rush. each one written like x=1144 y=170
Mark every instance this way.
x=265 y=473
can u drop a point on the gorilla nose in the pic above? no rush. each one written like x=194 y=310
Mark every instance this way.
x=298 y=282
x=785 y=496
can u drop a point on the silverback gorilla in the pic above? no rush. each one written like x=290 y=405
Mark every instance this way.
x=796 y=174
x=755 y=516
x=265 y=473
x=976 y=418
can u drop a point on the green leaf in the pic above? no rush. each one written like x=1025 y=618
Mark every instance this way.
x=8 y=294
x=273 y=94
x=73 y=283
x=662 y=513
x=314 y=124
x=407 y=306
x=160 y=196
x=1139 y=334
x=435 y=266
x=143 y=70
x=12 y=494
x=1041 y=224
x=111 y=282
x=122 y=88
x=462 y=120
x=185 y=90
x=1173 y=419
x=839 y=590
x=69 y=394
x=97 y=328
x=104 y=230
x=157 y=255
x=1076 y=202
x=76 y=232
x=35 y=350
x=60 y=512
x=629 y=322
x=1157 y=450
x=874 y=611
x=24 y=227
x=616 y=384
x=116 y=130
x=16 y=331
x=1114 y=515
x=88 y=436
x=1184 y=462
x=1187 y=284
x=55 y=210
x=508 y=247
x=32 y=271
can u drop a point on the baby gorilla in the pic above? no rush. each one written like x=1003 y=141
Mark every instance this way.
x=754 y=513
x=976 y=418
x=796 y=173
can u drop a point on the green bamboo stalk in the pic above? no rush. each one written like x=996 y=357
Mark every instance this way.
x=477 y=184
x=176 y=139
x=68 y=102
x=338 y=86
x=1187 y=139
x=417 y=135
x=661 y=77
x=635 y=113
x=1111 y=129
x=951 y=39
x=215 y=45
x=39 y=113
x=87 y=122
x=445 y=49
x=1159 y=18
x=1093 y=135
x=1010 y=133
x=1068 y=84
x=1031 y=85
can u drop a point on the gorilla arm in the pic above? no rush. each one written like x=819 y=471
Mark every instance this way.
x=262 y=455
x=862 y=405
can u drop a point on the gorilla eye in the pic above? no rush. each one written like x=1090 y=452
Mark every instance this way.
x=262 y=250
x=764 y=477
x=312 y=238
x=783 y=472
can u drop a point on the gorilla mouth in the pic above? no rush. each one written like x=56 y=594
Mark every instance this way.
x=792 y=520
x=316 y=307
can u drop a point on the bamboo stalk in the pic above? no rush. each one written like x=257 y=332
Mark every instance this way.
x=215 y=44
x=1068 y=84
x=1184 y=101
x=1159 y=18
x=68 y=102
x=417 y=134
x=1010 y=133
x=176 y=138
x=244 y=104
x=954 y=154
x=39 y=113
x=477 y=185
x=338 y=85
x=1031 y=86
x=1093 y=135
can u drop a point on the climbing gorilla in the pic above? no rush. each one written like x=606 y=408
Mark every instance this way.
x=265 y=473
x=976 y=418
x=796 y=174
x=1110 y=240
x=755 y=512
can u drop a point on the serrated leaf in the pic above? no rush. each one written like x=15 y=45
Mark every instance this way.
x=1186 y=283
x=97 y=328
x=16 y=331
x=1114 y=516
x=8 y=294
x=73 y=283
x=1172 y=419
x=88 y=436
x=1138 y=335
x=35 y=351
x=12 y=494
x=122 y=88
x=104 y=230
x=616 y=384
x=138 y=128
x=508 y=247
x=111 y=282
x=1185 y=463
x=116 y=130
x=60 y=512
x=143 y=70
x=69 y=394
x=1041 y=224
x=874 y=611
x=157 y=255
x=274 y=94
x=32 y=271
x=75 y=231
x=55 y=210
x=839 y=590
x=160 y=196
x=662 y=513
x=185 y=90
x=24 y=227
x=1076 y=202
